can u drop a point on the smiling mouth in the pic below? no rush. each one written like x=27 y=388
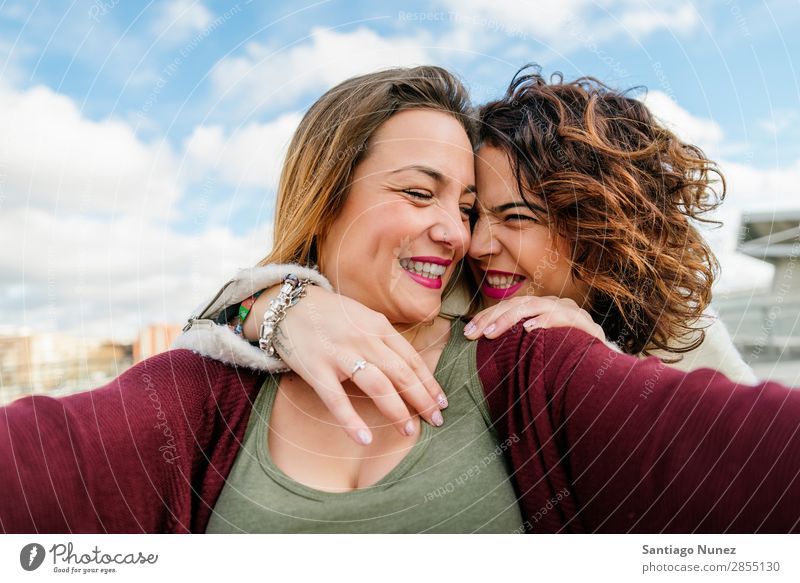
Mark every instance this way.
x=502 y=281
x=427 y=273
x=500 y=285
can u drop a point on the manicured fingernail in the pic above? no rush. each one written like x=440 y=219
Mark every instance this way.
x=531 y=325
x=469 y=329
x=437 y=419
x=489 y=330
x=442 y=400
x=409 y=428
x=364 y=436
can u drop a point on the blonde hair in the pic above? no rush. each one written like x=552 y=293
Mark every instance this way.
x=333 y=137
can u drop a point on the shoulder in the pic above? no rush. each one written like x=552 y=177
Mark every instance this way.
x=181 y=366
x=188 y=379
x=550 y=352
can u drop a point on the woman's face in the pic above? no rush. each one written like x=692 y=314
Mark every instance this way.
x=404 y=224
x=513 y=253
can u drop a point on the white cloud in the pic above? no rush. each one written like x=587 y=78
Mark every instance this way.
x=178 y=19
x=748 y=187
x=12 y=54
x=53 y=157
x=270 y=75
x=85 y=211
x=250 y=156
x=275 y=76
x=704 y=132
x=108 y=278
x=640 y=21
x=565 y=25
x=755 y=188
x=781 y=122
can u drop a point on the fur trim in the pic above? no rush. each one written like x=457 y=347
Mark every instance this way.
x=223 y=344
x=207 y=338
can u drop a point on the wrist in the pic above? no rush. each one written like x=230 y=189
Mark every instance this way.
x=253 y=322
x=269 y=334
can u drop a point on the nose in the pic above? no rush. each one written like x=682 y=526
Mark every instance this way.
x=451 y=231
x=483 y=243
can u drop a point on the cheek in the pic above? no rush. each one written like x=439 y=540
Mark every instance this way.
x=532 y=247
x=349 y=242
x=543 y=260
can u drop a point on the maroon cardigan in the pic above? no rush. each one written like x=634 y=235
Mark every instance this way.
x=601 y=442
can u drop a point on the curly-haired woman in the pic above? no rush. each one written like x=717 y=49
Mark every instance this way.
x=585 y=195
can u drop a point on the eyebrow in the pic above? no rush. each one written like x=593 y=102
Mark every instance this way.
x=437 y=176
x=512 y=205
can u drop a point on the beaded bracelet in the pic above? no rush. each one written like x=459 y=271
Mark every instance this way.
x=292 y=290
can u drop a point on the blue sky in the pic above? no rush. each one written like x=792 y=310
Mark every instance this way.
x=142 y=141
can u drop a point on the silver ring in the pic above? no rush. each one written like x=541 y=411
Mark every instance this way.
x=359 y=365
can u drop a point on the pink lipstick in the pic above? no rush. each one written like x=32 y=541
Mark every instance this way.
x=427 y=271
x=497 y=293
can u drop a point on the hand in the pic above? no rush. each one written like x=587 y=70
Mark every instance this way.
x=325 y=334
x=544 y=312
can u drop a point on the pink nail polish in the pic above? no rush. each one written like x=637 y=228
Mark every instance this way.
x=489 y=330
x=409 y=428
x=442 y=400
x=364 y=436
x=530 y=325
x=437 y=419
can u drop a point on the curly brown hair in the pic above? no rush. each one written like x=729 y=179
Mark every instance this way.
x=623 y=192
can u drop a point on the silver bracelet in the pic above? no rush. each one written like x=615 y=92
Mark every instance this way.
x=292 y=290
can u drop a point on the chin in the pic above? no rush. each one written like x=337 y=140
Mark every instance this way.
x=420 y=316
x=487 y=302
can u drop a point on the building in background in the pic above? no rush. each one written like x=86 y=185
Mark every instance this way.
x=154 y=339
x=57 y=364
x=765 y=324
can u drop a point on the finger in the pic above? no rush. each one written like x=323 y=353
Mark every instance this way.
x=565 y=319
x=516 y=310
x=478 y=324
x=377 y=386
x=509 y=318
x=411 y=390
x=332 y=393
x=420 y=370
x=554 y=319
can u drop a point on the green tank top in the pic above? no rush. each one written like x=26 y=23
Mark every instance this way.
x=454 y=479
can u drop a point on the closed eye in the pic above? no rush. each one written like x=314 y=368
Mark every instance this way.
x=418 y=194
x=518 y=218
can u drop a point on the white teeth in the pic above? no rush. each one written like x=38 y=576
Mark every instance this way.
x=430 y=270
x=503 y=281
